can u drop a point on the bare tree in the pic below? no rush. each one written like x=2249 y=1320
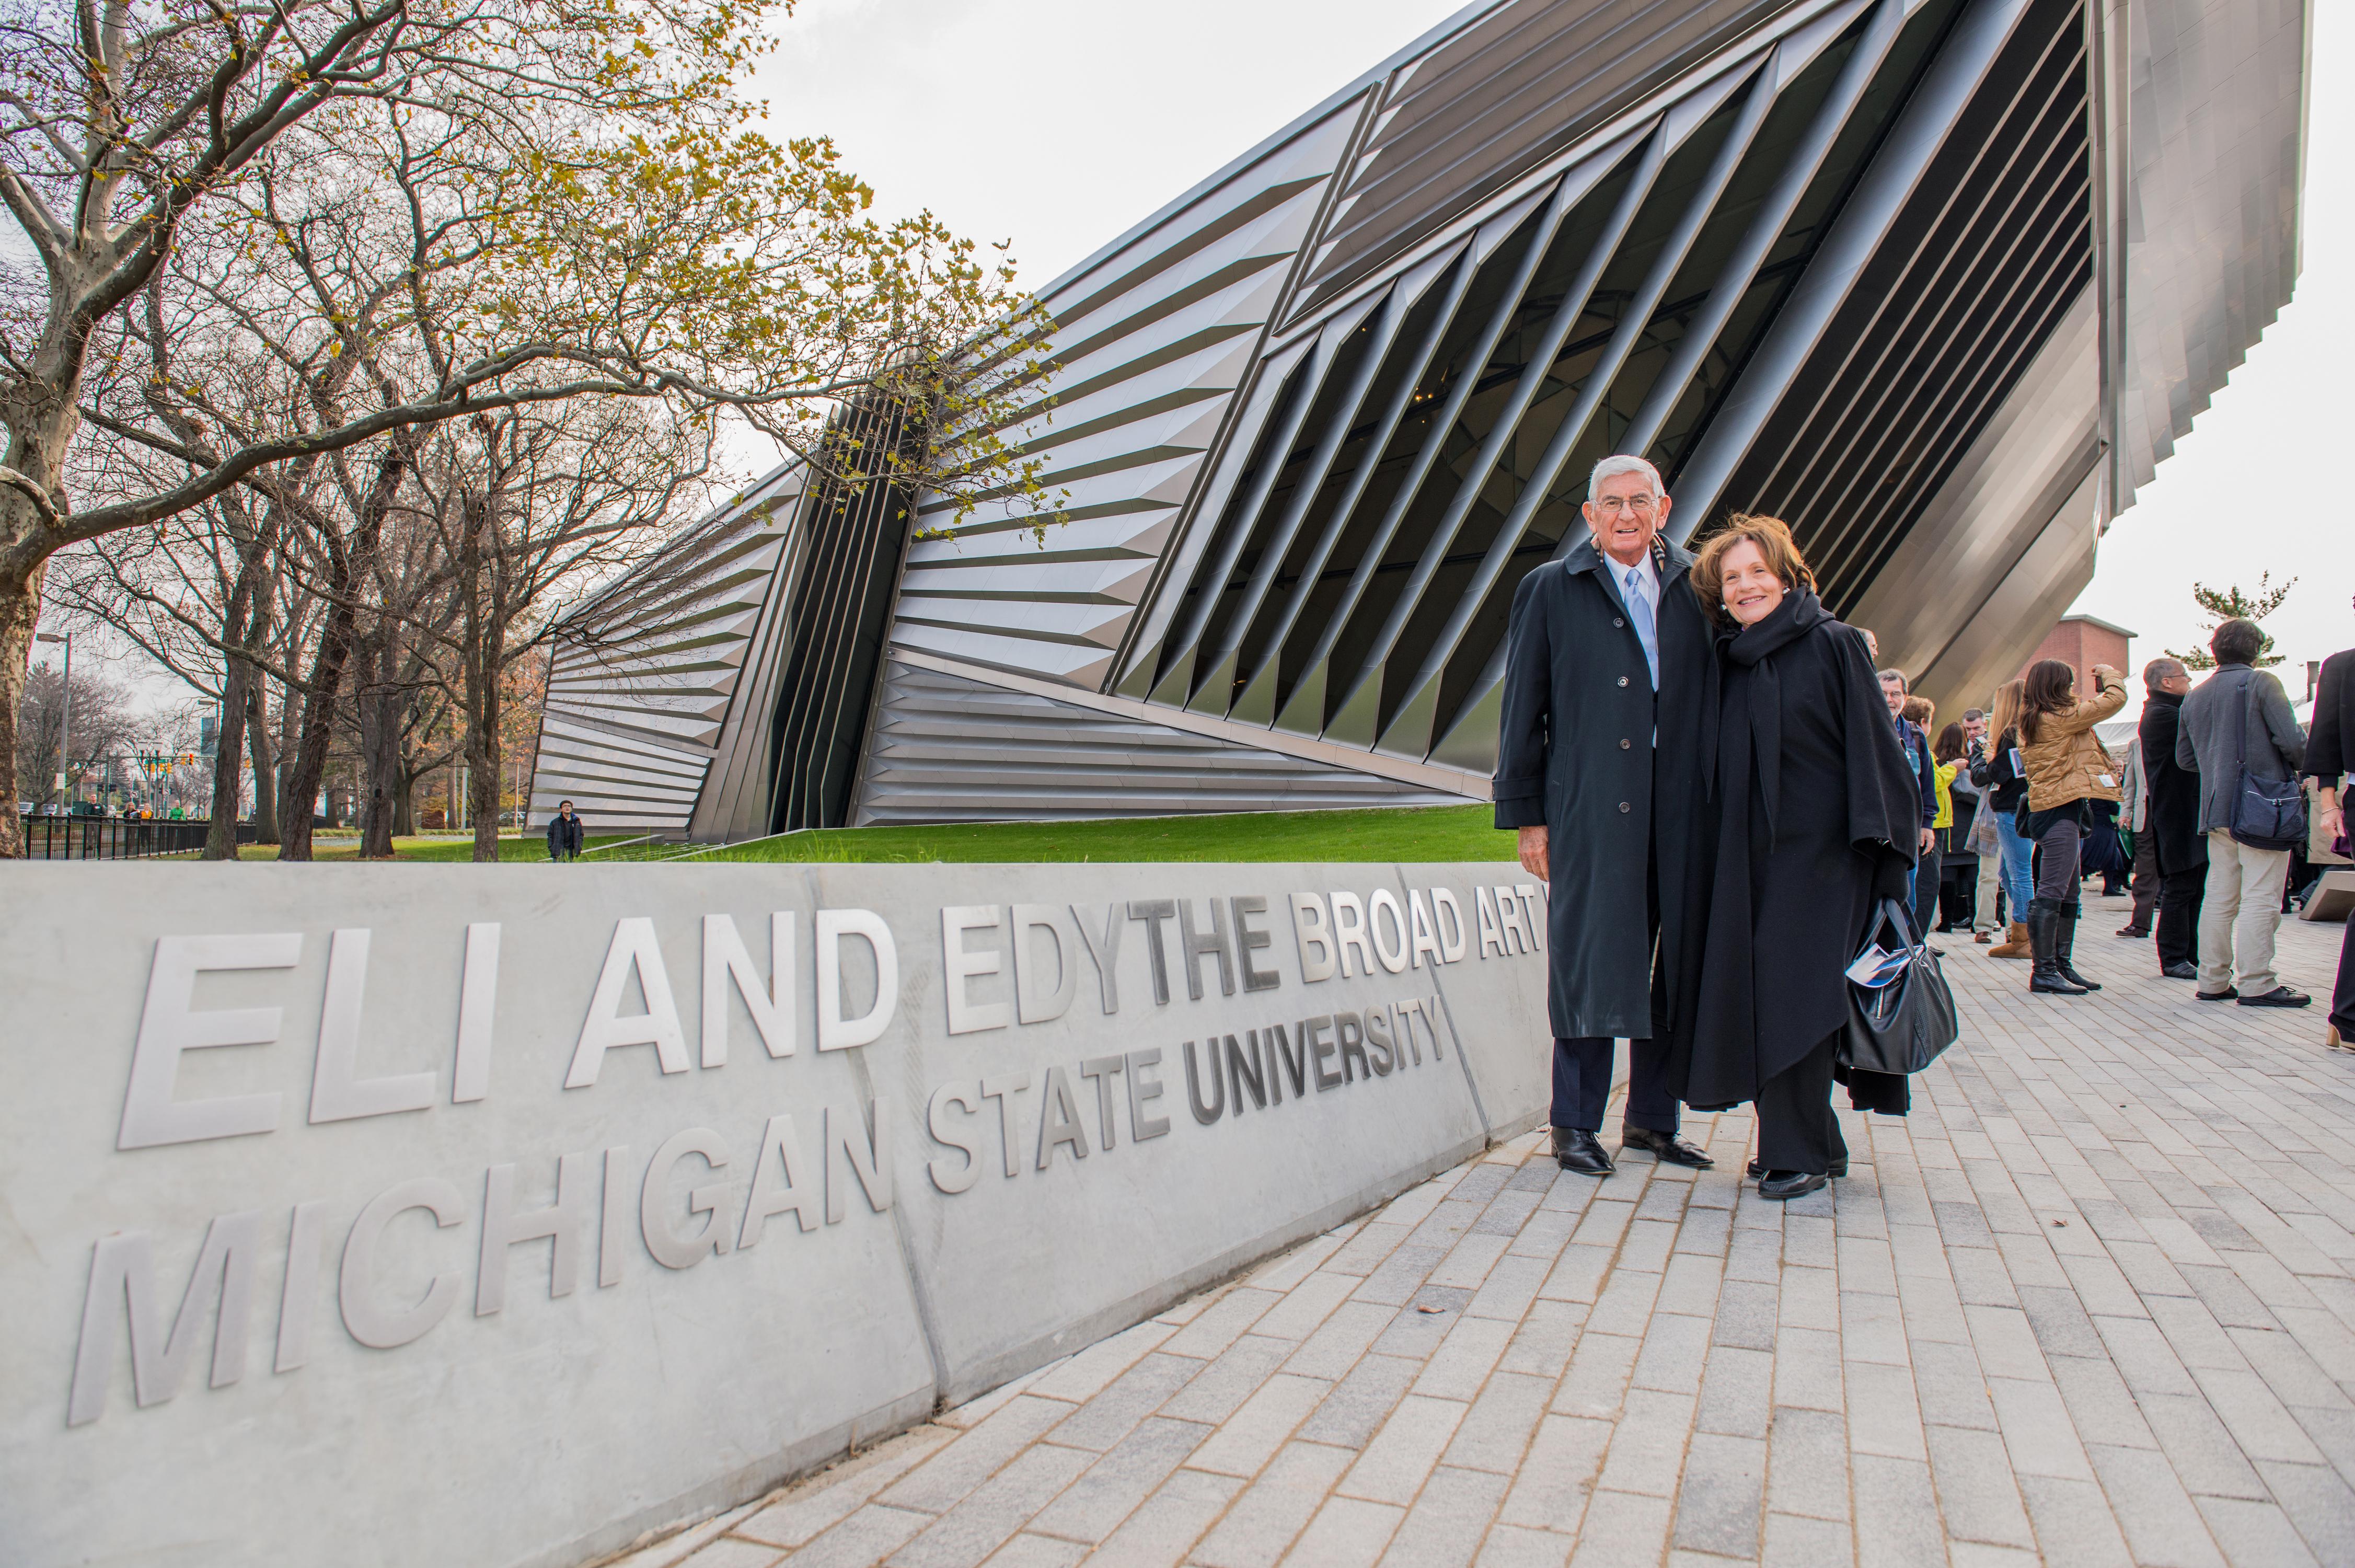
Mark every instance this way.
x=537 y=202
x=103 y=723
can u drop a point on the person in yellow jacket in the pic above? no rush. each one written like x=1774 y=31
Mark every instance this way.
x=2066 y=767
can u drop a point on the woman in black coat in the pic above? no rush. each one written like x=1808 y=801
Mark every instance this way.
x=1817 y=815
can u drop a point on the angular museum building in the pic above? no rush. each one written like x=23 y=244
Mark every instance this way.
x=1938 y=281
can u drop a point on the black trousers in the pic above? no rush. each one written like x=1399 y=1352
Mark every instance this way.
x=1582 y=1084
x=2147 y=879
x=2342 y=993
x=1797 y=1128
x=2178 y=913
x=1581 y=1067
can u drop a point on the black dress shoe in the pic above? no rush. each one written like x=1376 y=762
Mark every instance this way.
x=2181 y=969
x=2134 y=931
x=1576 y=1149
x=1667 y=1148
x=2279 y=996
x=2226 y=995
x=1779 y=1185
x=1758 y=1168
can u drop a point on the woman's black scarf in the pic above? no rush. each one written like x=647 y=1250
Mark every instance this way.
x=1750 y=743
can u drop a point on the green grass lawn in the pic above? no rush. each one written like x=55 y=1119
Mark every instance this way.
x=1410 y=833
x=1415 y=834
x=524 y=850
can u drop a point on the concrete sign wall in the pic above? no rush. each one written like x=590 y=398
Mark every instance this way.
x=420 y=1214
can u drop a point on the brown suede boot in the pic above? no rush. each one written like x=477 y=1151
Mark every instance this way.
x=2016 y=946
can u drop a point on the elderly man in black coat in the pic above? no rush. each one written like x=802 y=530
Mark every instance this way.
x=1598 y=766
x=2173 y=823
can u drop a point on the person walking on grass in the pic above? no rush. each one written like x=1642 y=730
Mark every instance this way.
x=1817 y=817
x=2003 y=783
x=2173 y=816
x=2328 y=754
x=1598 y=769
x=2237 y=724
x=2066 y=769
x=564 y=836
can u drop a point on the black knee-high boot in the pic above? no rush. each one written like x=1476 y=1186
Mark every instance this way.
x=2065 y=944
x=2044 y=975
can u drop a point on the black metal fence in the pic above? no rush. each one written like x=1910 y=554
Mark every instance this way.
x=113 y=838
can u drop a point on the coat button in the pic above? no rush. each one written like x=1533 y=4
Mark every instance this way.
x=1623 y=680
x=1625 y=807
x=1623 y=745
x=1616 y=622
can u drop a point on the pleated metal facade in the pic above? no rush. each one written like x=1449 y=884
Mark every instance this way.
x=1938 y=281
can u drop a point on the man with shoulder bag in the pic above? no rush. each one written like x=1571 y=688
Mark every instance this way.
x=2237 y=728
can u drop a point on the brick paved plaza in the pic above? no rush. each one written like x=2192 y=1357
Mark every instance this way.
x=2090 y=1304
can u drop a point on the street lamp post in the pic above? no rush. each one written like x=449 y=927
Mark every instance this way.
x=65 y=719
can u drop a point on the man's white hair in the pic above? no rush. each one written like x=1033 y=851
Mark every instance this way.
x=1611 y=467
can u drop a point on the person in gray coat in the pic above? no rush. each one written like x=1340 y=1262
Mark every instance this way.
x=2238 y=723
x=1607 y=658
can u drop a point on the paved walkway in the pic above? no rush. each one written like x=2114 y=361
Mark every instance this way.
x=2090 y=1302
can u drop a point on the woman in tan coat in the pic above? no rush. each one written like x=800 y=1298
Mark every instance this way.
x=2066 y=767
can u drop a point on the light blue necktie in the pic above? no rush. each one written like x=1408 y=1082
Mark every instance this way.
x=1647 y=630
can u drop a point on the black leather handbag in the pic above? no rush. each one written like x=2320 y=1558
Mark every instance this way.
x=1900 y=1024
x=2267 y=814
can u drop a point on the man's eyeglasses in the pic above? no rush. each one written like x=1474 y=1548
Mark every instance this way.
x=1611 y=506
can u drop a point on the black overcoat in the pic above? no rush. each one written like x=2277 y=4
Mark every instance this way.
x=1577 y=754
x=1817 y=815
x=2173 y=821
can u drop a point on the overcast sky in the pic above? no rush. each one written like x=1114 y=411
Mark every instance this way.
x=1057 y=124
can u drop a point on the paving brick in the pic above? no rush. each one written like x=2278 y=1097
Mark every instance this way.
x=953 y=1470
x=1463 y=1361
x=1557 y=1478
x=1340 y=1341
x=1443 y=1528
x=1977 y=1493
x=1623 y=1531
x=1245 y=1442
x=1395 y=1461
x=1217 y=1390
x=1807 y=1464
x=1794 y=1542
x=729 y=1551
x=1346 y=1533
x=820 y=1502
x=1084 y=1375
x=1596 y=1384
x=867 y=1537
x=1882 y=1417
x=1541 y=1346
x=2253 y=1533
x=1515 y=1546
x=1648 y=1450
x=1134 y=1395
x=1158 y=1534
x=1261 y=1523
x=1897 y=1523
x=1109 y=1491
x=1361 y=1402
x=1723 y=1487
x=1496 y=1430
x=1306 y=1305
x=2162 y=1526
x=1737 y=1392
x=977 y=1526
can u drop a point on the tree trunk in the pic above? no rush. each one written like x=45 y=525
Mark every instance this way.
x=265 y=771
x=228 y=748
x=20 y=606
x=348 y=568
x=380 y=717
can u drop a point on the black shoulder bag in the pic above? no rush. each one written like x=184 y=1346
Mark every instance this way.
x=1901 y=1025
x=2267 y=814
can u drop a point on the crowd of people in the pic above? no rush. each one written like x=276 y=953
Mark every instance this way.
x=1700 y=732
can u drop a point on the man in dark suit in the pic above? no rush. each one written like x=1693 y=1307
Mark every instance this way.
x=2329 y=744
x=1603 y=779
x=2173 y=818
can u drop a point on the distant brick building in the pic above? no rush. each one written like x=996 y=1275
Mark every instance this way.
x=2081 y=642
